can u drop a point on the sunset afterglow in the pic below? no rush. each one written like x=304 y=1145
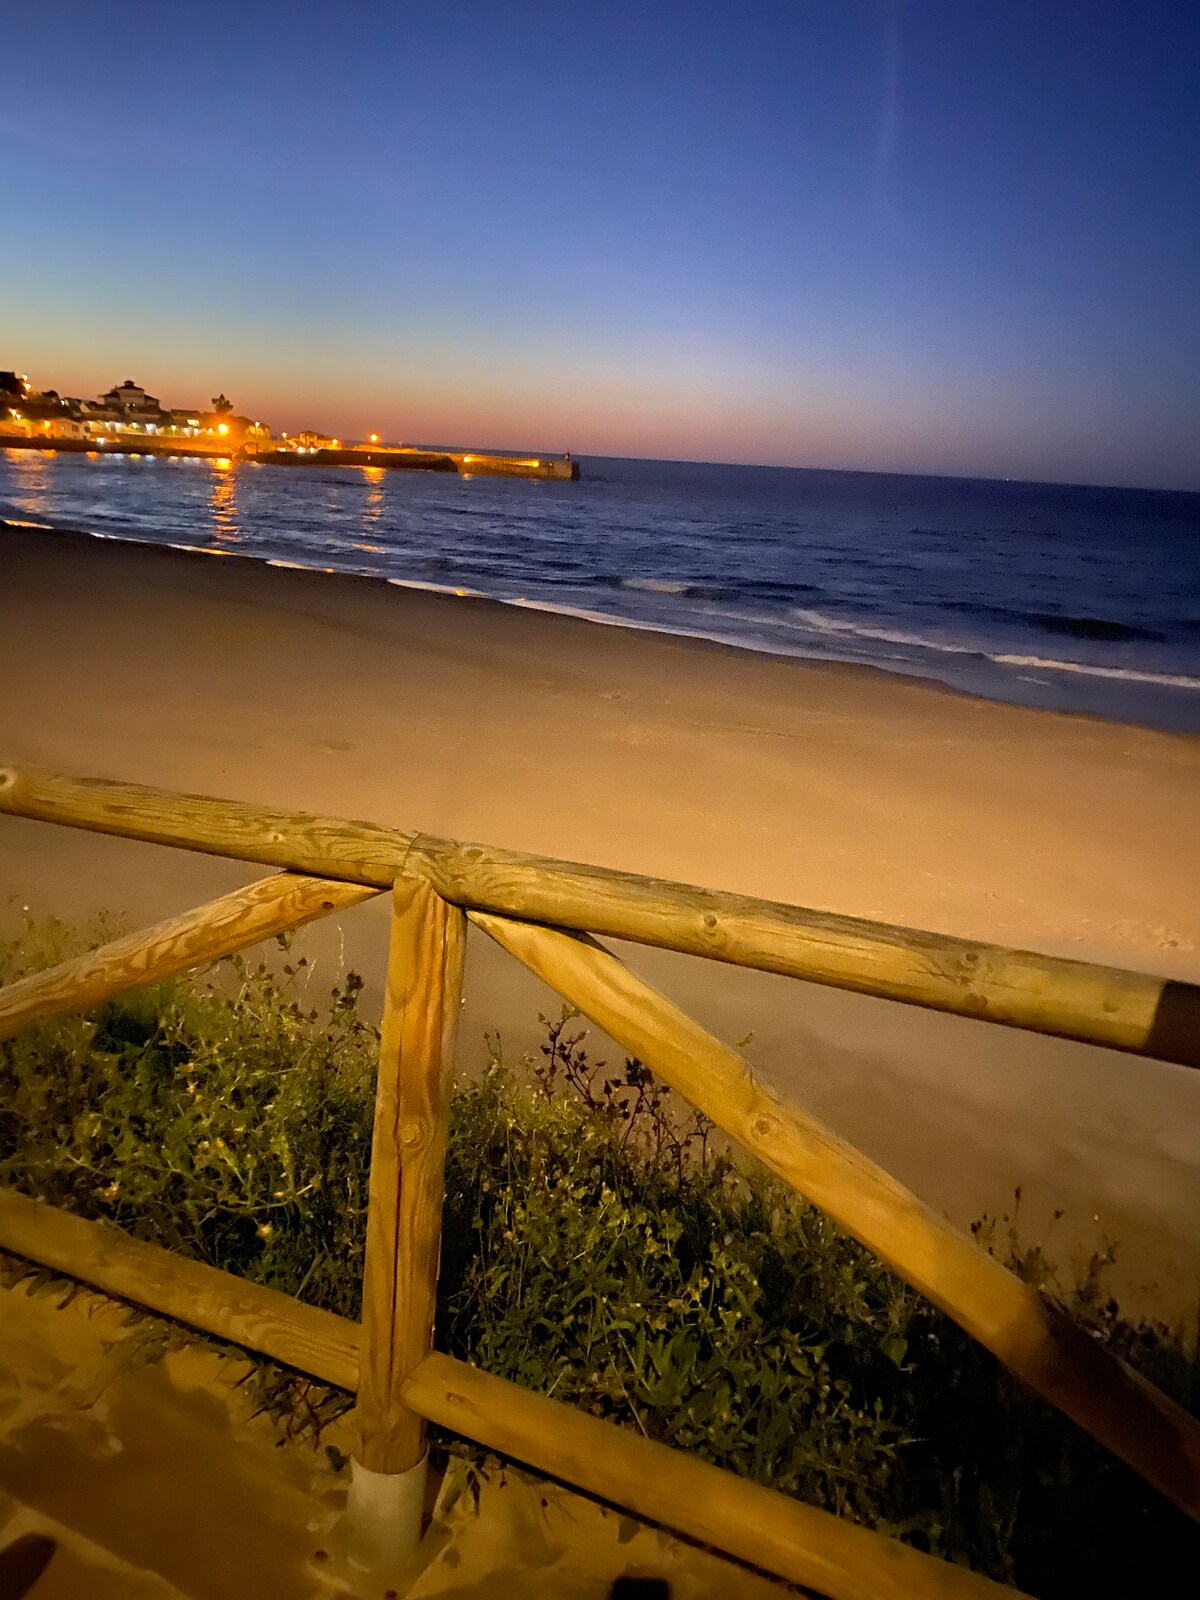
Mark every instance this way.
x=914 y=236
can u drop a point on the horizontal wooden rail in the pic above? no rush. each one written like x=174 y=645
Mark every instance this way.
x=760 y=1526
x=247 y=916
x=1122 y=1010
x=315 y=1342
x=1044 y=1348
x=329 y=847
x=1130 y=1011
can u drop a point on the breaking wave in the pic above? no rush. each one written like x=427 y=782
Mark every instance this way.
x=841 y=627
x=765 y=590
x=818 y=622
x=1164 y=680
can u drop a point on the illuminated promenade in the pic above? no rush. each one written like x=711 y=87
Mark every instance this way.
x=395 y=457
x=129 y=421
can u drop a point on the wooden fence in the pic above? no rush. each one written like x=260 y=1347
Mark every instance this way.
x=546 y=913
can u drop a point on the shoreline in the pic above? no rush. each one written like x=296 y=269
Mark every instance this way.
x=1056 y=613
x=822 y=784
x=902 y=673
x=476 y=597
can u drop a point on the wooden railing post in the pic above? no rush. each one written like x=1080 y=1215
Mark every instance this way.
x=412 y=1105
x=761 y=1526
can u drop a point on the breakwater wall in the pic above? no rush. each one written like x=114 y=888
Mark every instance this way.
x=412 y=457
x=393 y=457
x=516 y=466
x=412 y=460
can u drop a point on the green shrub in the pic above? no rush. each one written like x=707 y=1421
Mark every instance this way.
x=224 y=1121
x=598 y=1250
x=599 y=1246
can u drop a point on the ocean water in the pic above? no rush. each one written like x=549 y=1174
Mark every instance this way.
x=1082 y=599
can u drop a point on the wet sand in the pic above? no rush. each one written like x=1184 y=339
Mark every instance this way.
x=836 y=787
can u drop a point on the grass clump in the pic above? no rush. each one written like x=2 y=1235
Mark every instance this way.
x=599 y=1246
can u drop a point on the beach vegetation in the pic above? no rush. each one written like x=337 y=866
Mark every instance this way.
x=601 y=1245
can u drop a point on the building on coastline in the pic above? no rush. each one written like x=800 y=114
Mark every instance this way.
x=218 y=429
x=127 y=412
x=306 y=441
x=14 y=396
x=125 y=408
x=185 y=419
x=130 y=401
x=29 y=413
x=54 y=422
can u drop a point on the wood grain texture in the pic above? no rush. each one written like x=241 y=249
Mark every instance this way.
x=358 y=852
x=759 y=1526
x=274 y=1324
x=408 y=1151
x=1041 y=1346
x=1122 y=1010
x=235 y=921
x=986 y=982
x=770 y=1530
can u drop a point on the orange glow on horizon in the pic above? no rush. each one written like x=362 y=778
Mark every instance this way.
x=682 y=407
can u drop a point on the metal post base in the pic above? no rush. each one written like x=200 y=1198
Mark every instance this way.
x=381 y=1528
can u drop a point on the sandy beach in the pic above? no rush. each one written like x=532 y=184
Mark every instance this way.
x=835 y=787
x=92 y=1402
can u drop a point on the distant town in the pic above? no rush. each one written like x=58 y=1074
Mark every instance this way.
x=128 y=420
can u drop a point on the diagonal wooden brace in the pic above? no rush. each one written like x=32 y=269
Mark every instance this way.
x=273 y=905
x=1038 y=1343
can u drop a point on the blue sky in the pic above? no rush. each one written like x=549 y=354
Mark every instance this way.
x=950 y=236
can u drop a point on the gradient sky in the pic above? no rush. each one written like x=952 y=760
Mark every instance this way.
x=958 y=236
